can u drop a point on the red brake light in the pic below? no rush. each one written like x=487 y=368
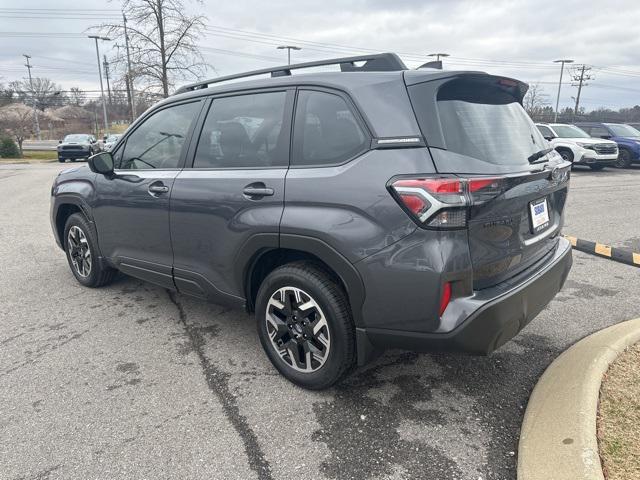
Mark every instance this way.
x=442 y=202
x=445 y=298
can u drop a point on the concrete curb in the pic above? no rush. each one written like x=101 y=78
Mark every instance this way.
x=558 y=437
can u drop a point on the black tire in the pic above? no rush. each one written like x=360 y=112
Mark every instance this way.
x=624 y=158
x=322 y=288
x=62 y=160
x=597 y=168
x=97 y=274
x=566 y=154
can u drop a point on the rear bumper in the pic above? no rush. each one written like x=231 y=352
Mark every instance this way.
x=496 y=314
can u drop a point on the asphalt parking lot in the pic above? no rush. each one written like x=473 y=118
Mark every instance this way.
x=130 y=381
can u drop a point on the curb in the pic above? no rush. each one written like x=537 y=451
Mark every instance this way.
x=558 y=436
x=601 y=250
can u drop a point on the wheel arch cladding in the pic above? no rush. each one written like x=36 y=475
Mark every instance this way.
x=65 y=210
x=295 y=247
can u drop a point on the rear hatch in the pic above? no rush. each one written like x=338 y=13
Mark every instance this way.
x=478 y=131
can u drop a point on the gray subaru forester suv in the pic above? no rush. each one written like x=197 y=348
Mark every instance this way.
x=353 y=211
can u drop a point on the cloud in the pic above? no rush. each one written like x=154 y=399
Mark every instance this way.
x=520 y=38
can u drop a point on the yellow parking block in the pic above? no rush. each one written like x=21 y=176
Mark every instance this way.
x=603 y=249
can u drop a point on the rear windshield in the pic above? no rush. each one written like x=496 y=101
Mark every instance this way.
x=486 y=122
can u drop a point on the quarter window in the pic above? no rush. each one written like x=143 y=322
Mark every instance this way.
x=158 y=142
x=326 y=131
x=244 y=131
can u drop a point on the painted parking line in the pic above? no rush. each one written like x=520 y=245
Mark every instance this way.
x=607 y=251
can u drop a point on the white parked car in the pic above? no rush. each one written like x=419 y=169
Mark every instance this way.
x=110 y=142
x=576 y=146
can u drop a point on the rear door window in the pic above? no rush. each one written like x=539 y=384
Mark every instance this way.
x=326 y=131
x=244 y=131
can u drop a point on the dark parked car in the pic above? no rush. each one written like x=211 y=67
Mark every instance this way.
x=627 y=138
x=354 y=211
x=77 y=146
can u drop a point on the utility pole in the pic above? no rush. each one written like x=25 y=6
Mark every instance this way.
x=104 y=104
x=130 y=87
x=288 y=48
x=33 y=95
x=581 y=78
x=562 y=62
x=105 y=64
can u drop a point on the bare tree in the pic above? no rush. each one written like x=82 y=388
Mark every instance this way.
x=16 y=119
x=535 y=100
x=46 y=93
x=164 y=40
x=77 y=96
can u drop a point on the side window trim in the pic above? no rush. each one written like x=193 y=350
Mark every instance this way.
x=183 y=152
x=198 y=127
x=296 y=141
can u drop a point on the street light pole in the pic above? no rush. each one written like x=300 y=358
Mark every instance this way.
x=288 y=48
x=562 y=62
x=104 y=103
x=33 y=94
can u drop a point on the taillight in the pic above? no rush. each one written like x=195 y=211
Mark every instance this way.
x=445 y=298
x=443 y=202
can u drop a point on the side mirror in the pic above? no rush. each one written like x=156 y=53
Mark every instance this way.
x=59 y=141
x=101 y=163
x=549 y=138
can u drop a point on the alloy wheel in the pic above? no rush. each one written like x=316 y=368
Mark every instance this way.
x=79 y=251
x=298 y=329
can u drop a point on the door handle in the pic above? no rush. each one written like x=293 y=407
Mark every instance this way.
x=258 y=191
x=158 y=188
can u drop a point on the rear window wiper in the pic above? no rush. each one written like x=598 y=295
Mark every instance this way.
x=538 y=155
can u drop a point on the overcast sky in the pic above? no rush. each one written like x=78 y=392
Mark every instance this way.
x=515 y=38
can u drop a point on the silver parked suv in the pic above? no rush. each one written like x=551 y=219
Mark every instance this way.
x=352 y=211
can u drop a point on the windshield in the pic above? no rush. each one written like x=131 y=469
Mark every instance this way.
x=76 y=138
x=569 y=131
x=623 y=130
